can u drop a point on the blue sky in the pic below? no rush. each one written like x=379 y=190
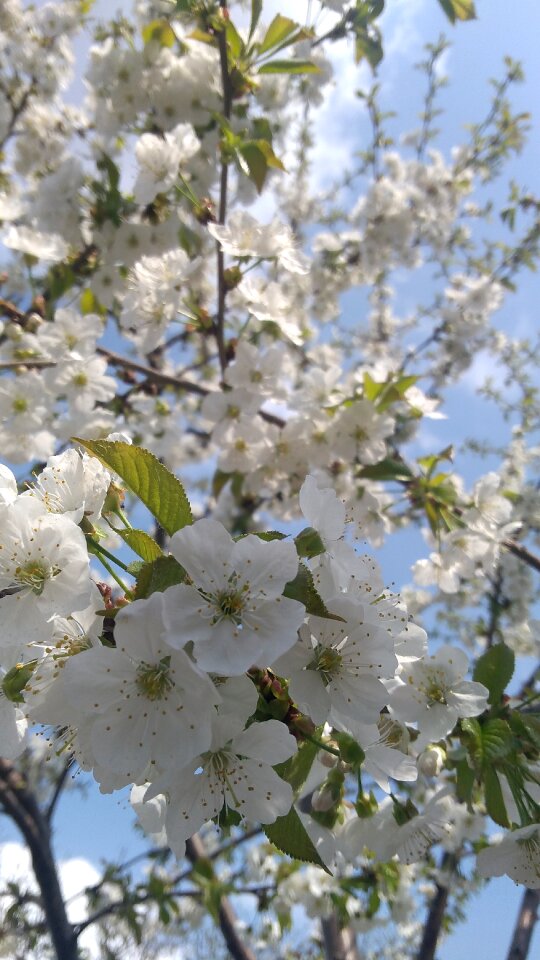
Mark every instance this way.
x=98 y=826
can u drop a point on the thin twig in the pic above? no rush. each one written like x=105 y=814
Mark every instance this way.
x=223 y=183
x=228 y=921
x=59 y=786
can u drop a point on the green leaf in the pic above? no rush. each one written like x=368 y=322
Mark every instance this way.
x=458 y=9
x=494 y=798
x=369 y=48
x=270 y=535
x=234 y=40
x=497 y=741
x=296 y=770
x=15 y=680
x=255 y=157
x=256 y=9
x=147 y=478
x=309 y=543
x=88 y=302
x=253 y=163
x=157 y=576
x=495 y=669
x=141 y=543
x=279 y=31
x=160 y=31
x=303 y=589
x=387 y=469
x=489 y=742
x=471 y=727
x=464 y=781
x=289 y=66
x=289 y=835
x=532 y=725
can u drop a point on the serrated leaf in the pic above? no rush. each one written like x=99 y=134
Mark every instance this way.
x=497 y=740
x=141 y=543
x=289 y=66
x=489 y=742
x=157 y=576
x=147 y=478
x=296 y=770
x=303 y=589
x=308 y=543
x=289 y=835
x=458 y=9
x=387 y=469
x=495 y=669
x=494 y=798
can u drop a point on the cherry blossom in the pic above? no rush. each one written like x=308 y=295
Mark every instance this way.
x=234 y=614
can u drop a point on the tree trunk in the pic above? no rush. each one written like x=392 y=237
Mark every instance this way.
x=20 y=804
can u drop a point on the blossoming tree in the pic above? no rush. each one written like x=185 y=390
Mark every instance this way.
x=222 y=644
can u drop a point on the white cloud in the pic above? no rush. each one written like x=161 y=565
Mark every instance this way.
x=75 y=874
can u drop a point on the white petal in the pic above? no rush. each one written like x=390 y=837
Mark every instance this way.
x=270 y=742
x=204 y=550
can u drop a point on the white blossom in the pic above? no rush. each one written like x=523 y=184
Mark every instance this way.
x=233 y=613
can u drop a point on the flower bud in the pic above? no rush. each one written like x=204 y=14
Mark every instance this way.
x=431 y=761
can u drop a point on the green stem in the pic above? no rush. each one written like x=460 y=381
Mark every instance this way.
x=122 y=517
x=525 y=703
x=113 y=574
x=322 y=746
x=102 y=552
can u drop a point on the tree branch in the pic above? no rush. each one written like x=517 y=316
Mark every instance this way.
x=21 y=806
x=435 y=916
x=59 y=786
x=339 y=942
x=167 y=380
x=228 y=921
x=523 y=554
x=223 y=185
x=523 y=931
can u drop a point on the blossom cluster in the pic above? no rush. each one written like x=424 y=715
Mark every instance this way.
x=167 y=699
x=144 y=302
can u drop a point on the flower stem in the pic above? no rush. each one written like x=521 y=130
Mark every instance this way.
x=102 y=552
x=321 y=745
x=113 y=574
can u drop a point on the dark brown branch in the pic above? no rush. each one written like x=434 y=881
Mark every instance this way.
x=154 y=376
x=228 y=921
x=223 y=185
x=20 y=804
x=58 y=788
x=523 y=554
x=523 y=931
x=167 y=380
x=8 y=309
x=436 y=912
